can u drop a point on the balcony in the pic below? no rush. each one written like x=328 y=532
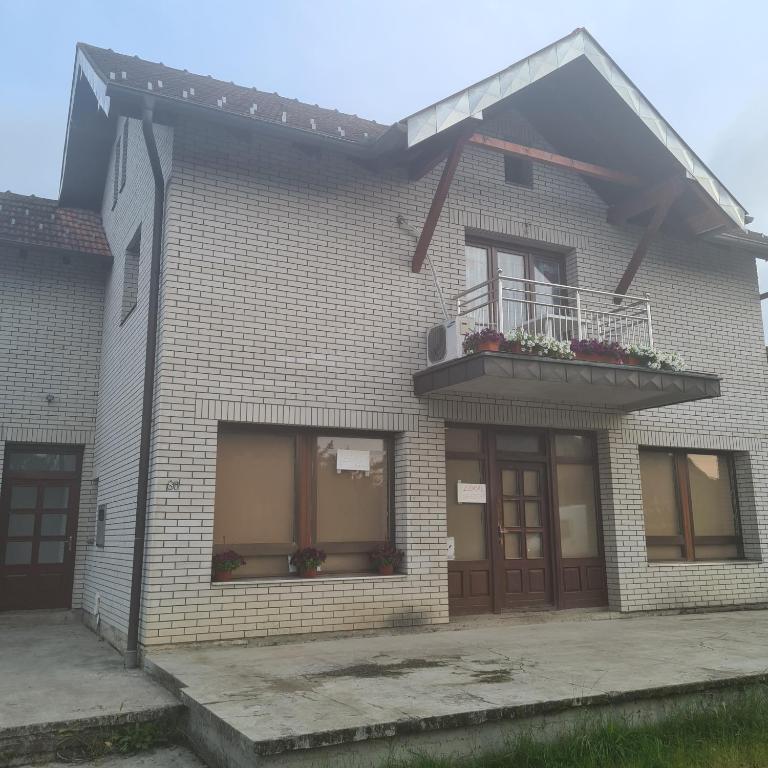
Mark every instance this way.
x=563 y=313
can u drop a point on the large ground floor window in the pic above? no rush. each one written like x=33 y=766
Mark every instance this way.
x=277 y=490
x=689 y=505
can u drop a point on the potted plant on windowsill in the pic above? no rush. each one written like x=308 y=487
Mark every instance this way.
x=386 y=558
x=224 y=563
x=307 y=560
x=484 y=340
x=597 y=351
x=641 y=354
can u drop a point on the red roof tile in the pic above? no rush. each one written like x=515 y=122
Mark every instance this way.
x=167 y=82
x=37 y=221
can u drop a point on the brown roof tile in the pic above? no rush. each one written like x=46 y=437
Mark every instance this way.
x=37 y=221
x=167 y=82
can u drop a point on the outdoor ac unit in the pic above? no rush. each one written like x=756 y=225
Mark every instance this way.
x=444 y=343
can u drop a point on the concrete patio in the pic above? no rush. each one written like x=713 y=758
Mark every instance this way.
x=342 y=701
x=56 y=675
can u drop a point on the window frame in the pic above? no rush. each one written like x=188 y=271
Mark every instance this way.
x=687 y=540
x=305 y=496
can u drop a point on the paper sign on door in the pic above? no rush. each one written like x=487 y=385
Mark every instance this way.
x=470 y=493
x=359 y=461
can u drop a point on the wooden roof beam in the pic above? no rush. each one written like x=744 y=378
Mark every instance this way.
x=550 y=158
x=441 y=193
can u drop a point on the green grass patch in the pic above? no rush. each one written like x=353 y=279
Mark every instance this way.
x=729 y=734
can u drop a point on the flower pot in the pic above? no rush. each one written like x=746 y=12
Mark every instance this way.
x=488 y=346
x=515 y=347
x=632 y=360
x=308 y=573
x=591 y=357
x=223 y=576
x=386 y=569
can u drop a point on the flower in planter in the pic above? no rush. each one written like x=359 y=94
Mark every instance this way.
x=609 y=350
x=655 y=360
x=484 y=340
x=386 y=557
x=226 y=562
x=537 y=344
x=308 y=559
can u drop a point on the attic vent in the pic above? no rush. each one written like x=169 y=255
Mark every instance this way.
x=518 y=170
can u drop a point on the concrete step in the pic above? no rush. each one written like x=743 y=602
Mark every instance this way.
x=45 y=741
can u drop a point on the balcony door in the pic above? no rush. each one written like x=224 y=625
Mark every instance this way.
x=524 y=301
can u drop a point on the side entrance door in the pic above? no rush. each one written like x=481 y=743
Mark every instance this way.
x=524 y=538
x=38 y=526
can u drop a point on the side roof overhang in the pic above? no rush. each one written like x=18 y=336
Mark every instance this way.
x=546 y=67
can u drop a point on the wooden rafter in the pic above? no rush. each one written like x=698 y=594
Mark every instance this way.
x=644 y=200
x=441 y=193
x=550 y=158
x=660 y=211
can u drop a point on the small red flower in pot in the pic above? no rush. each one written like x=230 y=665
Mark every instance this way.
x=224 y=563
x=386 y=558
x=307 y=560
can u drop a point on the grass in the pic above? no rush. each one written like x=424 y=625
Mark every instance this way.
x=122 y=740
x=732 y=734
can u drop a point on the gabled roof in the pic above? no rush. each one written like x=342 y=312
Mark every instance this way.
x=471 y=102
x=30 y=221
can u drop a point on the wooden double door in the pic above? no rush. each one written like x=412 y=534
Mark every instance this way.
x=39 y=500
x=535 y=542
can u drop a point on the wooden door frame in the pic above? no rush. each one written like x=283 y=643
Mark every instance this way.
x=72 y=479
x=548 y=459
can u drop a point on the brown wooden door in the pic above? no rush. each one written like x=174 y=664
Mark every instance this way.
x=524 y=541
x=38 y=527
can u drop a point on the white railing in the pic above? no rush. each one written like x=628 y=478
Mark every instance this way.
x=561 y=311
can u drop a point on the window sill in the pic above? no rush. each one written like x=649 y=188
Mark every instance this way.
x=280 y=580
x=699 y=563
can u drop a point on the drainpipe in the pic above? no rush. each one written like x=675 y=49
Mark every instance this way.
x=132 y=645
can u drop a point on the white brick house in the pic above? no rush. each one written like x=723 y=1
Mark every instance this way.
x=291 y=326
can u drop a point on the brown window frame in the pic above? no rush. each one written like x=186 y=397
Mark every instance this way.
x=305 y=478
x=688 y=540
x=492 y=247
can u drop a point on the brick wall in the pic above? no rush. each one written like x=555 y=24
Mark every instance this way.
x=288 y=299
x=50 y=337
x=118 y=427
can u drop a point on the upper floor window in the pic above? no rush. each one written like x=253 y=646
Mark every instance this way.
x=530 y=279
x=131 y=275
x=518 y=170
x=277 y=490
x=689 y=505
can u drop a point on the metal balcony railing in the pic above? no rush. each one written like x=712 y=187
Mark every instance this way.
x=561 y=311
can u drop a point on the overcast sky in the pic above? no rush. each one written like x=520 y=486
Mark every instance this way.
x=703 y=64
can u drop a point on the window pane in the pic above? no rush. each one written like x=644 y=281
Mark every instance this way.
x=23 y=496
x=512 y=546
x=476 y=273
x=55 y=497
x=53 y=524
x=50 y=552
x=664 y=552
x=532 y=514
x=352 y=504
x=466 y=522
x=512 y=514
x=42 y=462
x=509 y=482
x=18 y=553
x=518 y=442
x=578 y=510
x=21 y=524
x=573 y=447
x=717 y=551
x=534 y=547
x=459 y=440
x=254 y=489
x=512 y=265
x=657 y=474
x=711 y=500
x=530 y=483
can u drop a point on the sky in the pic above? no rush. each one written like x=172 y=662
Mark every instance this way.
x=703 y=64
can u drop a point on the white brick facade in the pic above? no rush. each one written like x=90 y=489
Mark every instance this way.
x=51 y=308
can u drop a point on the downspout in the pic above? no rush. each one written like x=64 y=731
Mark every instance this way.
x=132 y=645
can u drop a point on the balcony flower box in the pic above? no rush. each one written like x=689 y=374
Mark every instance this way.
x=484 y=340
x=597 y=351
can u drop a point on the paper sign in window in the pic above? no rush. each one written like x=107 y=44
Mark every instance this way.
x=358 y=461
x=470 y=493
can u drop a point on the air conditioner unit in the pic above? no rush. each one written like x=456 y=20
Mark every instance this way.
x=444 y=342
